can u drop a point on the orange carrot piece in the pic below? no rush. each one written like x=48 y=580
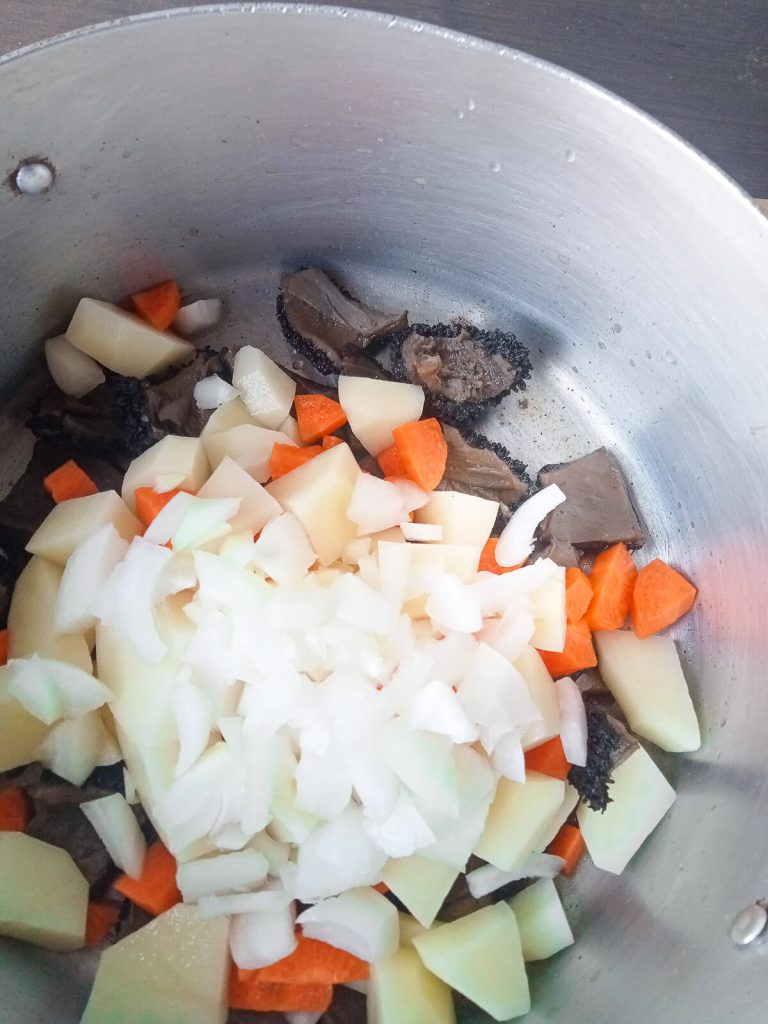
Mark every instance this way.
x=423 y=452
x=149 y=502
x=390 y=462
x=99 y=921
x=381 y=887
x=15 y=810
x=578 y=594
x=329 y=441
x=286 y=457
x=568 y=844
x=314 y=963
x=548 y=759
x=317 y=415
x=246 y=992
x=488 y=561
x=577 y=655
x=156 y=890
x=158 y=305
x=69 y=481
x=613 y=579
x=4 y=646
x=661 y=596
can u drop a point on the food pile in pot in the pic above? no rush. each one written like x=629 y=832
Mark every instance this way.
x=312 y=693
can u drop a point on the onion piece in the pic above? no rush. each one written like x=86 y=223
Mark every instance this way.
x=72 y=747
x=211 y=392
x=167 y=520
x=51 y=690
x=243 y=903
x=487 y=879
x=323 y=787
x=411 y=494
x=117 y=827
x=219 y=876
x=375 y=505
x=204 y=520
x=402 y=833
x=424 y=533
x=360 y=921
x=508 y=757
x=436 y=708
x=452 y=605
x=262 y=938
x=193 y=711
x=198 y=316
x=516 y=541
x=573 y=721
x=283 y=551
x=73 y=372
x=86 y=571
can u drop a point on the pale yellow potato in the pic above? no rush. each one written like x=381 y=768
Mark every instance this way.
x=122 y=341
x=229 y=415
x=465 y=518
x=420 y=884
x=174 y=969
x=31 y=617
x=172 y=462
x=20 y=733
x=401 y=989
x=73 y=521
x=43 y=895
x=544 y=928
x=265 y=388
x=519 y=816
x=257 y=506
x=375 y=407
x=248 y=445
x=318 y=493
x=549 y=618
x=541 y=687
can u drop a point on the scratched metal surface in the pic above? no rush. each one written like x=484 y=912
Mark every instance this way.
x=513 y=193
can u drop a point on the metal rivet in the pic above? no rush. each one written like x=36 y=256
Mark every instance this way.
x=749 y=925
x=34 y=178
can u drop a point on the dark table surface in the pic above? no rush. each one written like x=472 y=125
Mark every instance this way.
x=700 y=66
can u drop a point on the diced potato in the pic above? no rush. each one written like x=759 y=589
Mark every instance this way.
x=402 y=989
x=248 y=445
x=173 y=969
x=318 y=493
x=73 y=521
x=31 y=617
x=544 y=928
x=20 y=733
x=73 y=371
x=420 y=884
x=640 y=797
x=465 y=518
x=172 y=462
x=409 y=928
x=229 y=415
x=257 y=506
x=519 y=814
x=548 y=608
x=266 y=390
x=290 y=426
x=480 y=956
x=542 y=689
x=646 y=678
x=375 y=407
x=122 y=341
x=43 y=895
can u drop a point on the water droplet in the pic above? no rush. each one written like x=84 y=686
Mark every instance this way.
x=570 y=155
x=420 y=181
x=495 y=166
x=418 y=27
x=392 y=23
x=471 y=104
x=460 y=115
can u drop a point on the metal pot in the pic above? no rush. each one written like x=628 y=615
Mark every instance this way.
x=220 y=145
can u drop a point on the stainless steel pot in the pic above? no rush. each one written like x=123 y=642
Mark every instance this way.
x=219 y=145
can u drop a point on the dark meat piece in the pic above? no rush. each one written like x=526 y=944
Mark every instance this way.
x=463 y=370
x=598 y=510
x=348 y=1007
x=66 y=826
x=561 y=552
x=130 y=920
x=251 y=1017
x=478 y=466
x=170 y=400
x=320 y=320
x=356 y=362
x=608 y=744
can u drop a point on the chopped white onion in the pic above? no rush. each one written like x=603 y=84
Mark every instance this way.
x=283 y=551
x=360 y=921
x=117 y=827
x=51 y=690
x=262 y=938
x=193 y=711
x=487 y=879
x=422 y=532
x=243 y=903
x=86 y=571
x=211 y=392
x=508 y=757
x=573 y=721
x=516 y=541
x=73 y=372
x=452 y=605
x=204 y=520
x=222 y=875
x=198 y=316
x=72 y=747
x=375 y=505
x=402 y=833
x=167 y=520
x=411 y=494
x=436 y=708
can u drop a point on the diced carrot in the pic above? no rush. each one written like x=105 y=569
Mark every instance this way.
x=578 y=594
x=15 y=810
x=548 y=759
x=568 y=844
x=4 y=646
x=390 y=462
x=329 y=441
x=660 y=597
x=246 y=992
x=578 y=654
x=317 y=415
x=613 y=579
x=158 y=305
x=99 y=921
x=149 y=502
x=314 y=963
x=286 y=457
x=69 y=481
x=156 y=890
x=488 y=561
x=381 y=887
x=423 y=452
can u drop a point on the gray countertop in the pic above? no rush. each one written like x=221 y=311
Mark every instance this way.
x=700 y=66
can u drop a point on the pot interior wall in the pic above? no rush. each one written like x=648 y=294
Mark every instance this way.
x=447 y=175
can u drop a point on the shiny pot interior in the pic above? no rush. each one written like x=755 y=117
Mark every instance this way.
x=222 y=145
